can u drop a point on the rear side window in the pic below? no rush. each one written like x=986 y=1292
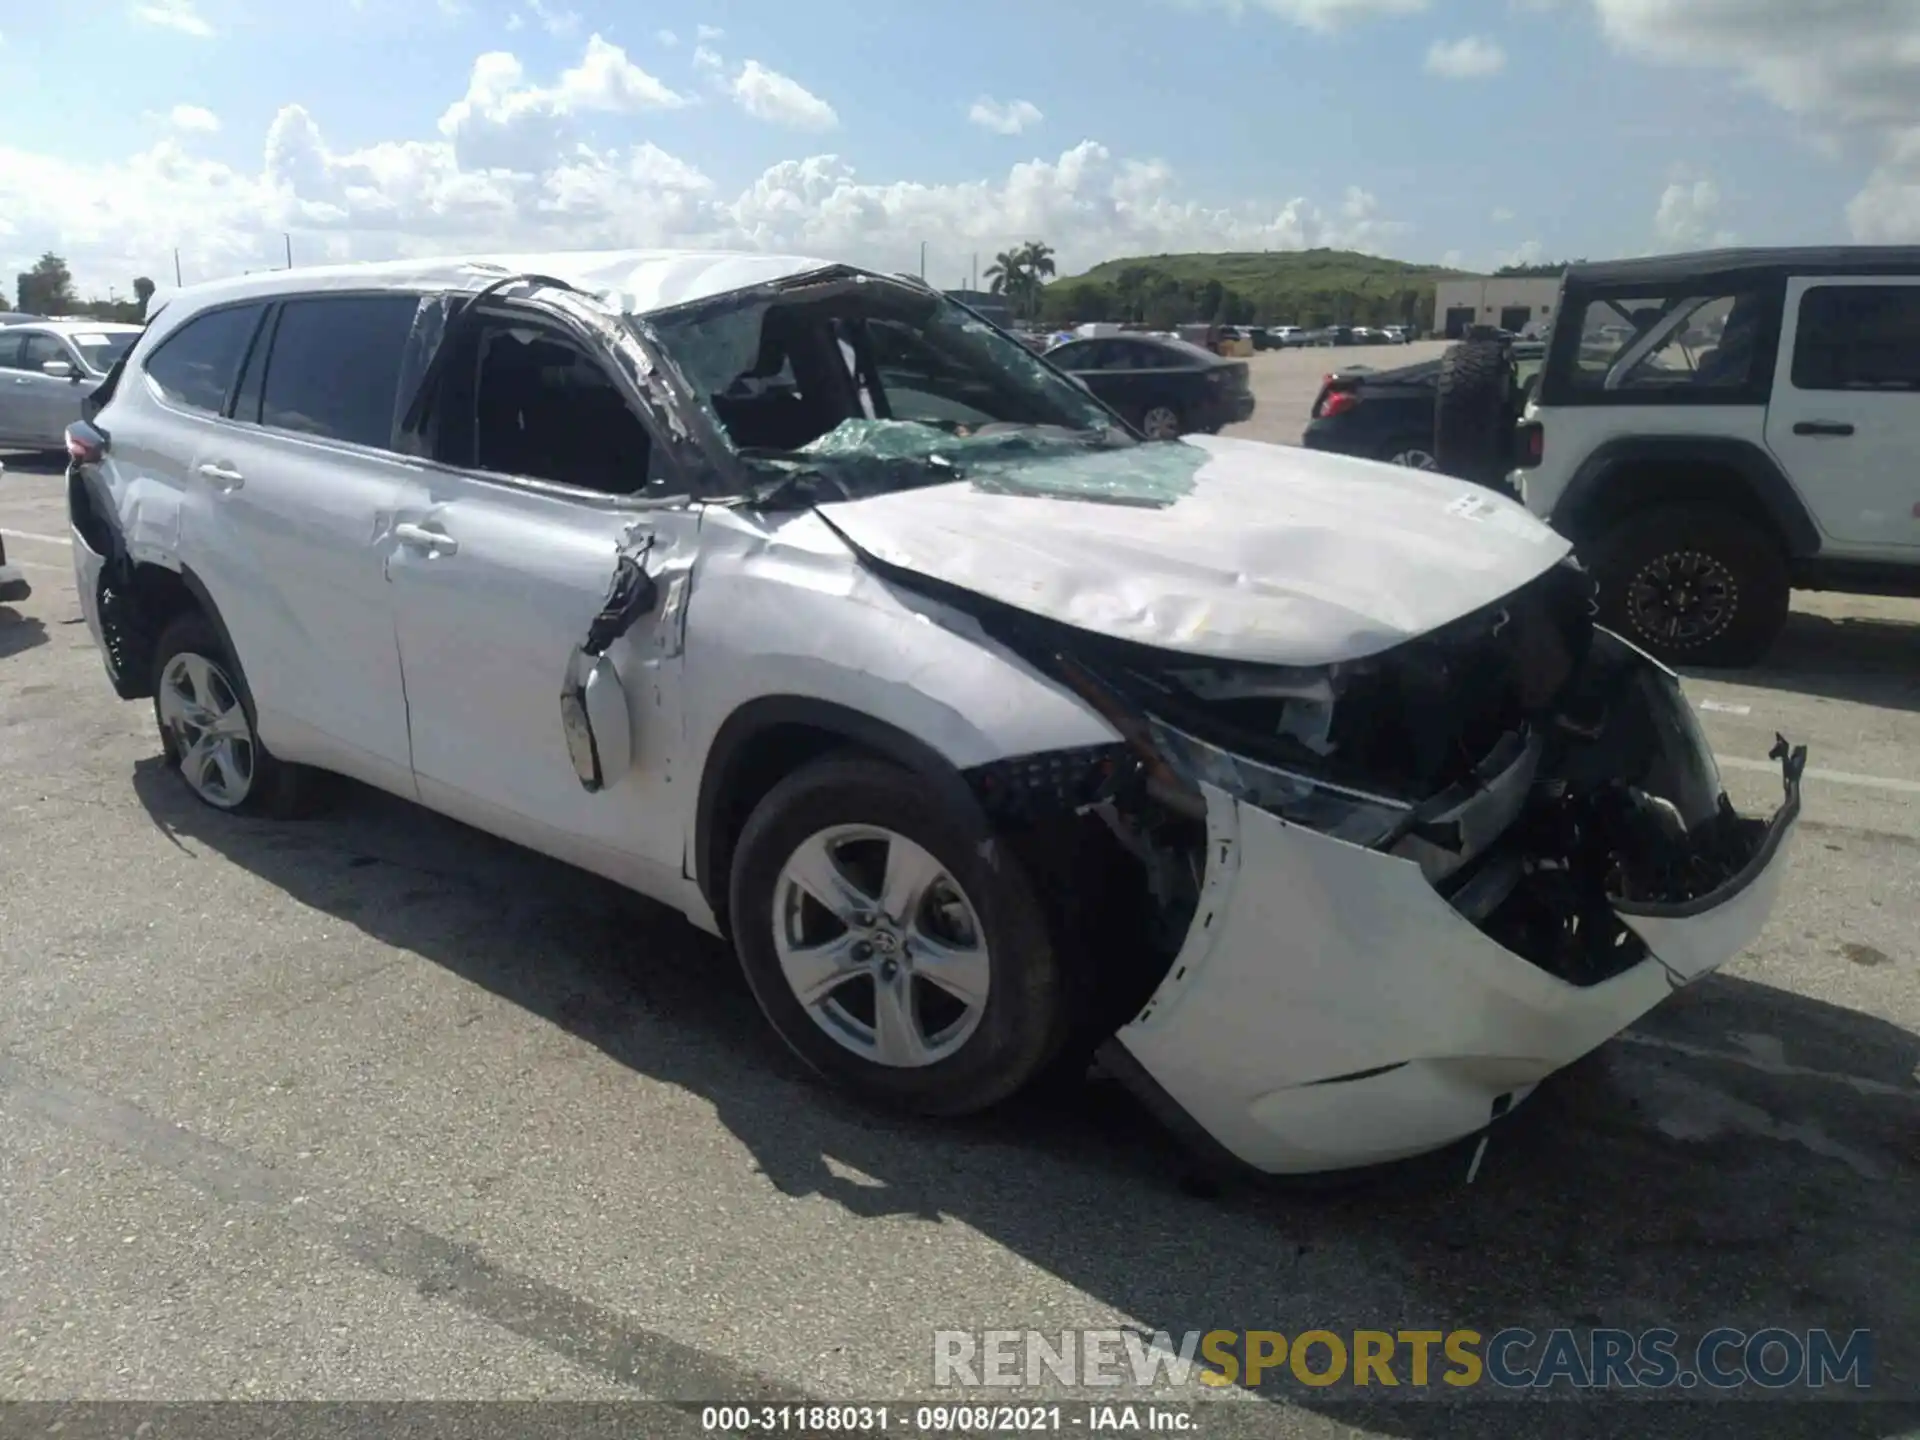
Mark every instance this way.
x=334 y=370
x=194 y=367
x=1858 y=337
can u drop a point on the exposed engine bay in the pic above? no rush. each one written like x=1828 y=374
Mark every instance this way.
x=1547 y=777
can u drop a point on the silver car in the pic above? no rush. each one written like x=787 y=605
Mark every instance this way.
x=46 y=368
x=1301 y=789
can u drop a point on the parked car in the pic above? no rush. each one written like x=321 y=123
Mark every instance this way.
x=13 y=585
x=1715 y=430
x=46 y=369
x=1376 y=415
x=1164 y=387
x=17 y=317
x=987 y=733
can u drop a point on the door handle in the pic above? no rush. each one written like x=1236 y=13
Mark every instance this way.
x=1822 y=427
x=419 y=537
x=225 y=476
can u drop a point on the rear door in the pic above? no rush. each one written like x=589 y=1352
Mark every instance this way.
x=294 y=499
x=1844 y=418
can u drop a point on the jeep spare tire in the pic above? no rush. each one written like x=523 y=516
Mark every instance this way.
x=1473 y=413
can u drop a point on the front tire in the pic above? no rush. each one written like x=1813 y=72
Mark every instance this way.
x=208 y=729
x=893 y=944
x=1693 y=585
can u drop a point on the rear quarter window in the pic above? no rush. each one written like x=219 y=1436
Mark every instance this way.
x=195 y=366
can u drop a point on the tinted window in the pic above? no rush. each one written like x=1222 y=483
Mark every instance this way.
x=39 y=349
x=194 y=366
x=543 y=408
x=335 y=367
x=1072 y=357
x=1858 y=337
x=10 y=351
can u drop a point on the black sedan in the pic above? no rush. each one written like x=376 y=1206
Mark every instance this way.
x=1377 y=414
x=1388 y=414
x=1165 y=388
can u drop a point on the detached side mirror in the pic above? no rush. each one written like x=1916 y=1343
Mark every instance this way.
x=59 y=369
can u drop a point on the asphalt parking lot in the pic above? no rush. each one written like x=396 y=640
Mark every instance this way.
x=375 y=1107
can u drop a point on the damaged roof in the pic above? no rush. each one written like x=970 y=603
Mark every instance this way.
x=637 y=281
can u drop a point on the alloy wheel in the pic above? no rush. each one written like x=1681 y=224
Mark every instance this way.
x=1682 y=599
x=1413 y=459
x=1160 y=423
x=881 y=946
x=209 y=730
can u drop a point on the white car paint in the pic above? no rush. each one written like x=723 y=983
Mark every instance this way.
x=1330 y=1010
x=434 y=671
x=1277 y=555
x=1862 y=487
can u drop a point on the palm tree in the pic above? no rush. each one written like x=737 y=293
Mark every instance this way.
x=1006 y=272
x=1036 y=260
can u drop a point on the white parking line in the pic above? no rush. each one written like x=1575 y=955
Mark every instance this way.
x=1891 y=784
x=38 y=539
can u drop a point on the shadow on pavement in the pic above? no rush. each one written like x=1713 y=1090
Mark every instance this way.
x=1747 y=1158
x=19 y=632
x=1869 y=660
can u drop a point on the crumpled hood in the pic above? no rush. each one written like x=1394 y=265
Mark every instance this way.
x=1227 y=548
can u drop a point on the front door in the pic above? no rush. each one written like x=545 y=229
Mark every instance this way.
x=537 y=489
x=1846 y=408
x=37 y=407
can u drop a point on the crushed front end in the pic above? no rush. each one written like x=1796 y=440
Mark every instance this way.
x=1406 y=889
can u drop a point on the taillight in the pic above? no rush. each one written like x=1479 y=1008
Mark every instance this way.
x=1531 y=446
x=1336 y=402
x=85 y=444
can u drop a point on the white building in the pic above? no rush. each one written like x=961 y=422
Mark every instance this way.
x=1510 y=302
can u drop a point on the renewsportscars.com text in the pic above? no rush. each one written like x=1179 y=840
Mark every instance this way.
x=1511 y=1359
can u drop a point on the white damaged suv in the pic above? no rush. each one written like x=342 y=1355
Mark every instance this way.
x=1302 y=790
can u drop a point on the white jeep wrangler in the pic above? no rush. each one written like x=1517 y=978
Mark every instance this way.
x=1712 y=431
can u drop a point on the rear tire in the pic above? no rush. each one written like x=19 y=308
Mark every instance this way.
x=1160 y=422
x=1693 y=585
x=1473 y=413
x=209 y=730
x=856 y=812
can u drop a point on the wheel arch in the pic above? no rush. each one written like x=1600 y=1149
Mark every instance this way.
x=766 y=739
x=1630 y=474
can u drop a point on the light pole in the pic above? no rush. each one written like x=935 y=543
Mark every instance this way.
x=289 y=239
x=923 y=259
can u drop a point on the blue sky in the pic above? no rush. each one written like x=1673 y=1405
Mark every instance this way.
x=1475 y=131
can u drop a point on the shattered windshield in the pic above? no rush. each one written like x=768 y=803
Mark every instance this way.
x=870 y=385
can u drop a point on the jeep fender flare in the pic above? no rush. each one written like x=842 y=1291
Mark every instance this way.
x=1588 y=506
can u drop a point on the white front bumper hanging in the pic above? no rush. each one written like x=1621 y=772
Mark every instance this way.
x=1330 y=1009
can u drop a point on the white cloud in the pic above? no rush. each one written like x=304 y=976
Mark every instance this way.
x=781 y=100
x=1453 y=260
x=1472 y=57
x=708 y=32
x=1004 y=118
x=193 y=118
x=1685 y=217
x=1324 y=16
x=173 y=15
x=509 y=170
x=504 y=122
x=667 y=38
x=706 y=58
x=1527 y=252
x=554 y=19
x=1846 y=65
x=1502 y=215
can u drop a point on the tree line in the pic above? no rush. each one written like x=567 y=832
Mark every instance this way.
x=47 y=289
x=1152 y=297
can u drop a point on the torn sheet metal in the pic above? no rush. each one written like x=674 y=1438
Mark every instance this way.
x=1277 y=556
x=595 y=712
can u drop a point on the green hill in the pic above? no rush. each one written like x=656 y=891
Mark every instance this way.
x=1269 y=287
